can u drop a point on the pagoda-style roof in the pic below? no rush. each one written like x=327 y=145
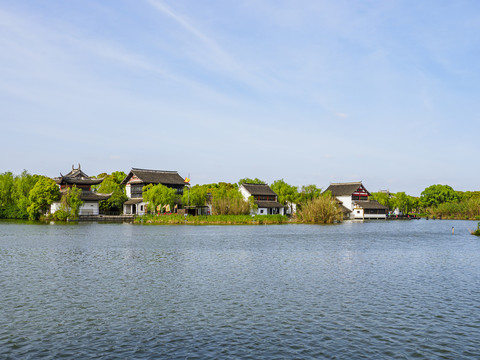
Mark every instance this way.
x=259 y=189
x=89 y=195
x=146 y=176
x=77 y=177
x=346 y=189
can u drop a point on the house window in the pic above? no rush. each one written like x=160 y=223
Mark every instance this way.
x=141 y=207
x=261 y=211
x=358 y=211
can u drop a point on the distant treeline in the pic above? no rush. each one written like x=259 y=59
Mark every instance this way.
x=436 y=200
x=29 y=196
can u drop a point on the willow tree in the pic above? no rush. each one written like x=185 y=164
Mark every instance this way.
x=159 y=196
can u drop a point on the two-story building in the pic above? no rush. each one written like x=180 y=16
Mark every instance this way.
x=355 y=197
x=82 y=181
x=264 y=197
x=138 y=178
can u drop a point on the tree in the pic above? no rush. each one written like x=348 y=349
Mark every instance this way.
x=435 y=195
x=194 y=196
x=250 y=181
x=111 y=185
x=309 y=192
x=158 y=196
x=227 y=200
x=43 y=194
x=287 y=194
x=403 y=202
x=70 y=204
x=384 y=198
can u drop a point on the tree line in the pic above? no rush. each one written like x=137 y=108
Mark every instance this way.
x=28 y=196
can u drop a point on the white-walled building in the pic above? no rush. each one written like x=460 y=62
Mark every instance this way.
x=264 y=197
x=354 y=197
x=82 y=181
x=138 y=178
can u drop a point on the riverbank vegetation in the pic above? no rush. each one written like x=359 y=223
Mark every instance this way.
x=477 y=231
x=174 y=219
x=27 y=196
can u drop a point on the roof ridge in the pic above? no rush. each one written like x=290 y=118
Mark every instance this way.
x=347 y=183
x=156 y=171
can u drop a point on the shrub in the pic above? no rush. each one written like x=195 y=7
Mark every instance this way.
x=322 y=210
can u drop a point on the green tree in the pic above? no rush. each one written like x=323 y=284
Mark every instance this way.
x=309 y=192
x=70 y=204
x=435 y=195
x=159 y=196
x=250 y=181
x=403 y=202
x=386 y=199
x=42 y=195
x=287 y=194
x=111 y=185
x=195 y=195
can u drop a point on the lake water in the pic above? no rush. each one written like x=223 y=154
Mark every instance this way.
x=396 y=289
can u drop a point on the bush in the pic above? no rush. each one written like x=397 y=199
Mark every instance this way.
x=322 y=210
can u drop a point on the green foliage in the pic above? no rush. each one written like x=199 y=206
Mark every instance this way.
x=227 y=200
x=466 y=209
x=159 y=196
x=321 y=210
x=477 y=231
x=250 y=181
x=195 y=196
x=309 y=192
x=173 y=219
x=70 y=204
x=435 y=195
x=14 y=194
x=287 y=194
x=111 y=185
x=384 y=198
x=42 y=195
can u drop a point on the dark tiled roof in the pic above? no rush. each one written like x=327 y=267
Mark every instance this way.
x=77 y=176
x=269 y=204
x=259 y=189
x=133 y=201
x=370 y=204
x=344 y=209
x=155 y=177
x=77 y=181
x=90 y=195
x=342 y=189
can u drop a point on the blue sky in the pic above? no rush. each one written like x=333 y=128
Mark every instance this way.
x=313 y=92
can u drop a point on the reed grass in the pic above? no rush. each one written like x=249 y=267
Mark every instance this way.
x=322 y=210
x=174 y=219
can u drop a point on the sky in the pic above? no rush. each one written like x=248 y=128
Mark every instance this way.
x=313 y=92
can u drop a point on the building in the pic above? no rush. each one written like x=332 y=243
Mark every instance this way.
x=354 y=197
x=264 y=197
x=82 y=181
x=138 y=178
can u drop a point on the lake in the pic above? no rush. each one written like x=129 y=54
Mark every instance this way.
x=380 y=289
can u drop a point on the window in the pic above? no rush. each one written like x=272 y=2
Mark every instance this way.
x=358 y=211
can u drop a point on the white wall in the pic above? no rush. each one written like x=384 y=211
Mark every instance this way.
x=346 y=200
x=128 y=190
x=87 y=208
x=244 y=192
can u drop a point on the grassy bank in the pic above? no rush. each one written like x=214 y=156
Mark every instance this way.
x=174 y=219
